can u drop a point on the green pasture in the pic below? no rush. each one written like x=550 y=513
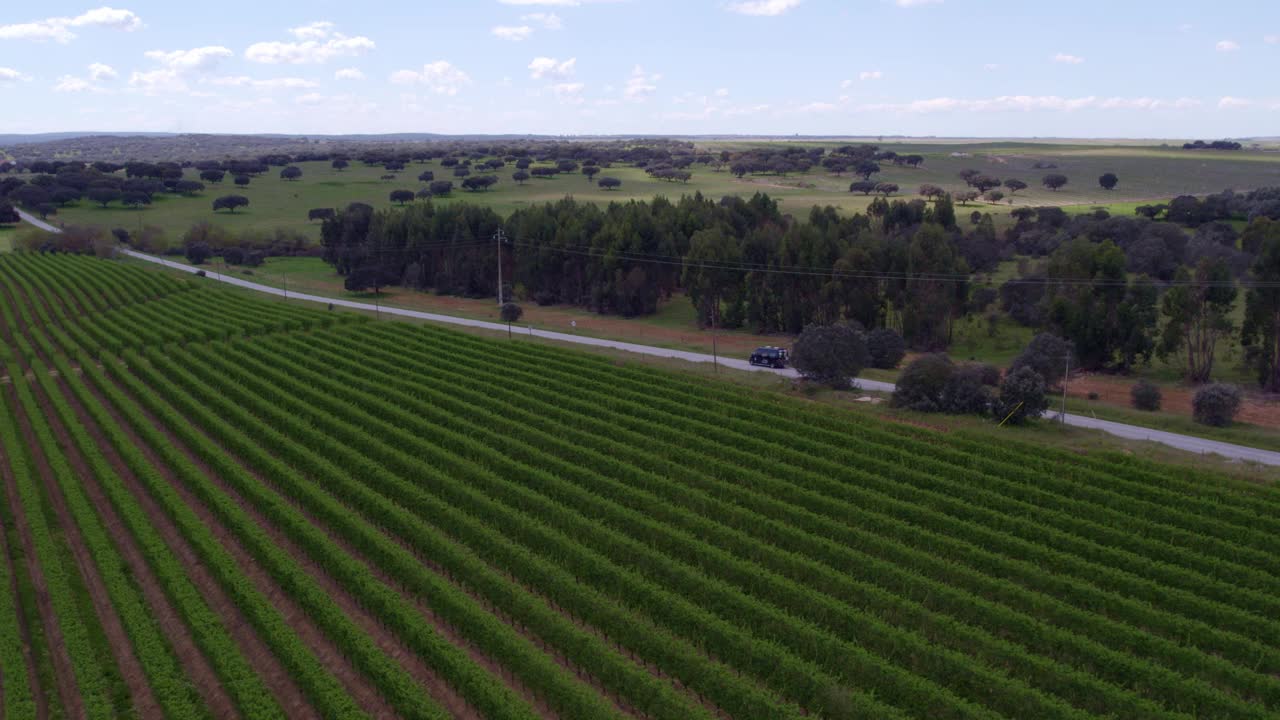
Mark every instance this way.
x=1147 y=174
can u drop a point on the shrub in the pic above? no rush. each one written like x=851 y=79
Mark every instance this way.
x=198 y=252
x=922 y=383
x=1022 y=396
x=885 y=348
x=1145 y=395
x=965 y=392
x=1046 y=354
x=830 y=354
x=1216 y=405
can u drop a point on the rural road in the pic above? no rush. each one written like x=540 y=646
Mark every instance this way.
x=1131 y=432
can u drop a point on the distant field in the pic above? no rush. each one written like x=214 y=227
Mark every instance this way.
x=1146 y=174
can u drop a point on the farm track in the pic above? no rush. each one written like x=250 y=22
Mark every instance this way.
x=194 y=662
x=135 y=678
x=258 y=654
x=371 y=519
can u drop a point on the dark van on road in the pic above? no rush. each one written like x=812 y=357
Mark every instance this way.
x=773 y=357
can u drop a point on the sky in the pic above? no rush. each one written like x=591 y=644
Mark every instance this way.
x=953 y=68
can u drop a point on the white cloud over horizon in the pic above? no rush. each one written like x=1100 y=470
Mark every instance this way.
x=763 y=8
x=316 y=43
x=440 y=77
x=59 y=29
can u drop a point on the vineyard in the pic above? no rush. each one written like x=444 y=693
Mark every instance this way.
x=217 y=506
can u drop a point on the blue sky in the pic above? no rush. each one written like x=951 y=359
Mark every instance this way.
x=1089 y=68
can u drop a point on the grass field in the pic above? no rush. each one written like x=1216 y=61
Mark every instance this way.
x=233 y=506
x=1147 y=174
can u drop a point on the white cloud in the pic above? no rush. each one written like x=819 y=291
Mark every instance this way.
x=722 y=92
x=763 y=8
x=1234 y=103
x=194 y=60
x=1068 y=59
x=548 y=21
x=8 y=75
x=99 y=72
x=58 y=29
x=287 y=83
x=512 y=32
x=159 y=81
x=1186 y=27
x=313 y=31
x=1029 y=103
x=991 y=67
x=1272 y=39
x=569 y=93
x=176 y=67
x=816 y=107
x=348 y=74
x=441 y=77
x=1226 y=46
x=108 y=17
x=640 y=85
x=916 y=3
x=317 y=43
x=545 y=67
x=870 y=75
x=67 y=83
x=556 y=3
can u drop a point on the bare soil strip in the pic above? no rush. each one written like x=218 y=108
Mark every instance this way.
x=197 y=666
x=33 y=676
x=64 y=674
x=135 y=677
x=256 y=651
x=360 y=688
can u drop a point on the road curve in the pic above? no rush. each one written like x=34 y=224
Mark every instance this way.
x=1132 y=432
x=38 y=223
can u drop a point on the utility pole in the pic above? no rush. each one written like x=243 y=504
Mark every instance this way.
x=285 y=280
x=499 y=238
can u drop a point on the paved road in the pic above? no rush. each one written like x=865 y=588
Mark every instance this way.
x=37 y=222
x=1132 y=432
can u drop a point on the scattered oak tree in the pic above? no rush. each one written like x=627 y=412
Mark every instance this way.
x=1013 y=185
x=230 y=203
x=1054 y=181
